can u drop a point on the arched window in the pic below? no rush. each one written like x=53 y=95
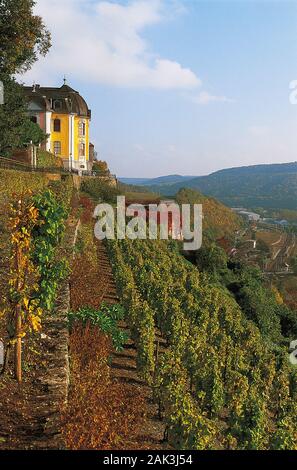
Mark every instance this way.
x=82 y=128
x=57 y=125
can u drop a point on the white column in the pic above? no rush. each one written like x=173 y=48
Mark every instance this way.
x=48 y=118
x=71 y=141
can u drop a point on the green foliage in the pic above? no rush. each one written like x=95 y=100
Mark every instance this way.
x=47 y=160
x=215 y=383
x=106 y=318
x=31 y=132
x=47 y=236
x=140 y=191
x=16 y=129
x=63 y=191
x=12 y=115
x=16 y=182
x=259 y=303
x=212 y=259
x=99 y=189
x=263 y=247
x=100 y=167
x=23 y=36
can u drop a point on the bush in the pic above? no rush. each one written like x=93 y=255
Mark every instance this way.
x=32 y=132
x=63 y=191
x=48 y=160
x=47 y=237
x=13 y=181
x=99 y=190
x=100 y=167
x=106 y=319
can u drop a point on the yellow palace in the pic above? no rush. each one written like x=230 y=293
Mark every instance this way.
x=65 y=117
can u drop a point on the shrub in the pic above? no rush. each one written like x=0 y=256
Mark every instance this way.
x=48 y=160
x=47 y=236
x=99 y=189
x=63 y=191
x=106 y=318
x=100 y=167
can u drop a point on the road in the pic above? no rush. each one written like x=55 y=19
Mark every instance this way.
x=283 y=254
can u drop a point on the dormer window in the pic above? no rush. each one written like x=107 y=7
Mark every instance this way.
x=57 y=104
x=57 y=125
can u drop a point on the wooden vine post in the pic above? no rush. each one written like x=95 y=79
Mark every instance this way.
x=18 y=344
x=18 y=262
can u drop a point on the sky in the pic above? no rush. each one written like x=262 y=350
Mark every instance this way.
x=178 y=86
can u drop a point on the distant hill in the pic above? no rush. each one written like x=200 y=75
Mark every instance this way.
x=268 y=186
x=135 y=181
x=169 y=179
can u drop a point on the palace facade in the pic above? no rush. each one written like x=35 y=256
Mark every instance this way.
x=64 y=116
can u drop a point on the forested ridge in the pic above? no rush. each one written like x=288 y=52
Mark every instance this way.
x=268 y=186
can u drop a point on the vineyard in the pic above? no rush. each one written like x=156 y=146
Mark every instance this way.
x=163 y=353
x=33 y=325
x=220 y=384
x=138 y=344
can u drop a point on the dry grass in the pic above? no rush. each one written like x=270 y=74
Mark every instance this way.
x=268 y=237
x=101 y=414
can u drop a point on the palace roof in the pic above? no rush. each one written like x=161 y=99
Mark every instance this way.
x=64 y=100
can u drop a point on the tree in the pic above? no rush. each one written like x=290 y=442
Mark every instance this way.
x=16 y=129
x=100 y=167
x=212 y=259
x=12 y=116
x=31 y=132
x=23 y=36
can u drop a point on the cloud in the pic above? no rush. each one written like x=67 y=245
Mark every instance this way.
x=205 y=98
x=102 y=41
